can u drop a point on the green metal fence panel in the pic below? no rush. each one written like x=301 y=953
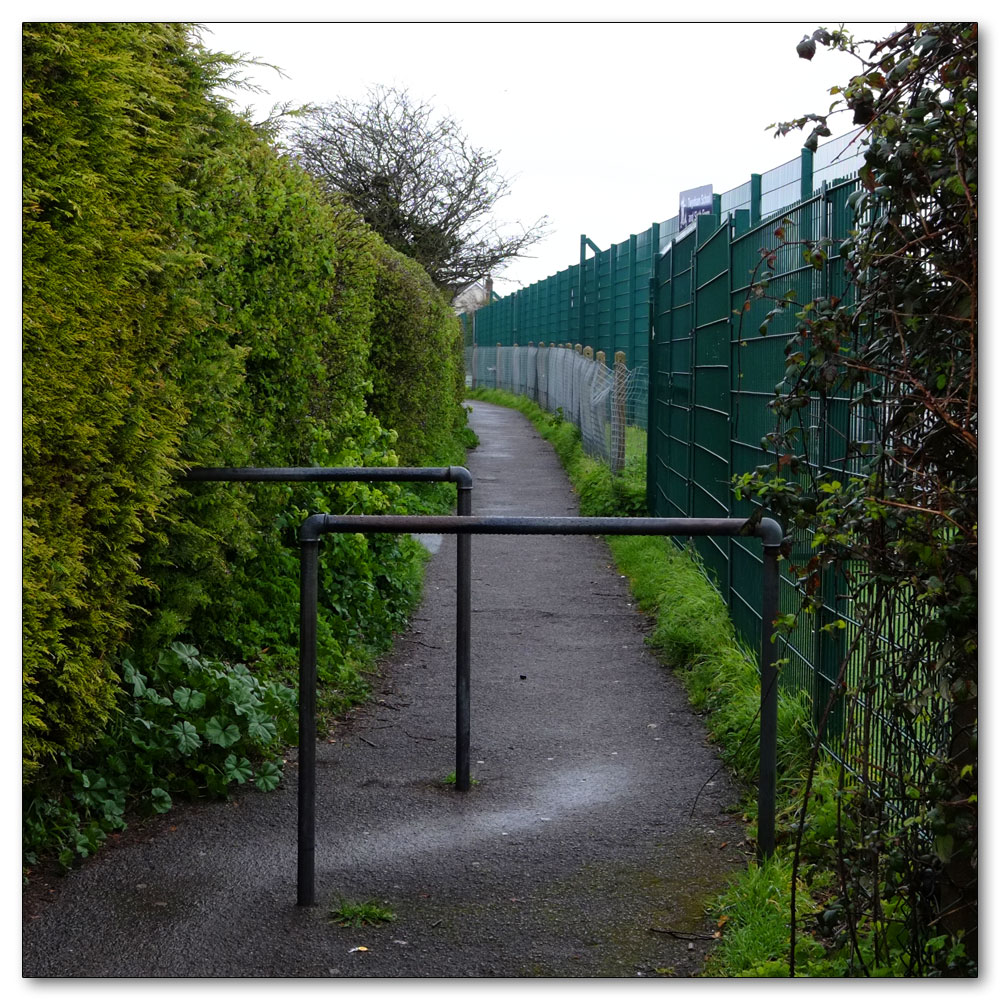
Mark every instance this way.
x=710 y=444
x=671 y=356
x=601 y=330
x=759 y=359
x=621 y=305
x=712 y=374
x=683 y=309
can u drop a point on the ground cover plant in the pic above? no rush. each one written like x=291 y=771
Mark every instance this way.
x=370 y=913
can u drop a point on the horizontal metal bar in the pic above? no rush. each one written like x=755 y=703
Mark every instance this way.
x=319 y=524
x=450 y=474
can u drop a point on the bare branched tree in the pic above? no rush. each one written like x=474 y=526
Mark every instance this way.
x=416 y=180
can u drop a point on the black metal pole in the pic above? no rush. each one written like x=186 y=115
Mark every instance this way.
x=465 y=525
x=308 y=586
x=463 y=645
x=503 y=525
x=336 y=474
x=309 y=537
x=768 y=706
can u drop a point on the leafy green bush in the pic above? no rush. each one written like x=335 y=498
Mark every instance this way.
x=190 y=299
x=187 y=725
x=109 y=111
x=416 y=364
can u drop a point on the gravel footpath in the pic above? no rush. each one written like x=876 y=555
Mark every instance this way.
x=596 y=831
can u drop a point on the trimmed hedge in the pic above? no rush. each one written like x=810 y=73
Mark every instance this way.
x=416 y=365
x=191 y=299
x=108 y=113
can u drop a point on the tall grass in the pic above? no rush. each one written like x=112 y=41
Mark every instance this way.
x=694 y=636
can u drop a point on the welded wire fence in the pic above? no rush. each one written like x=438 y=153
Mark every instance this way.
x=603 y=300
x=702 y=392
x=680 y=305
x=573 y=383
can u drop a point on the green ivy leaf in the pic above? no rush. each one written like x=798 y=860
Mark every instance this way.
x=188 y=654
x=241 y=696
x=187 y=737
x=268 y=776
x=944 y=846
x=188 y=700
x=261 y=729
x=160 y=800
x=133 y=677
x=237 y=769
x=223 y=736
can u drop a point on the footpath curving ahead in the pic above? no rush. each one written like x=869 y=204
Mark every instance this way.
x=595 y=832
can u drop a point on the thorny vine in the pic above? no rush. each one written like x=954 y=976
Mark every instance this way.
x=875 y=460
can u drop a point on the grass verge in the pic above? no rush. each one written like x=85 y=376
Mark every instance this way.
x=694 y=636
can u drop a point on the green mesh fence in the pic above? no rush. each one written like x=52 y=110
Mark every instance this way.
x=679 y=305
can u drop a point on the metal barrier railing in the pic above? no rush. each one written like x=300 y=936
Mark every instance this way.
x=465 y=525
x=307 y=692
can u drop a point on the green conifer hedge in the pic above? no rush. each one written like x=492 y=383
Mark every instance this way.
x=191 y=299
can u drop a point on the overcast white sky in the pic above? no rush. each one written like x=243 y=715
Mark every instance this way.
x=600 y=125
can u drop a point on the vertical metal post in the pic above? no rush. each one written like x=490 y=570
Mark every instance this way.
x=652 y=386
x=463 y=644
x=806 y=180
x=612 y=301
x=633 y=248
x=768 y=706
x=308 y=585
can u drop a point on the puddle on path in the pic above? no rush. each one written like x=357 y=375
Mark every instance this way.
x=430 y=542
x=560 y=796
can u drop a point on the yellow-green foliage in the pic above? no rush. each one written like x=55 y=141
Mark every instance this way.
x=107 y=117
x=416 y=367
x=189 y=299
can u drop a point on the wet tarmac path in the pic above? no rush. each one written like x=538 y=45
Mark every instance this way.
x=597 y=827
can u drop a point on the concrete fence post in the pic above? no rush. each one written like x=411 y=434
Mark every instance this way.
x=515 y=370
x=601 y=359
x=541 y=362
x=499 y=347
x=573 y=372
